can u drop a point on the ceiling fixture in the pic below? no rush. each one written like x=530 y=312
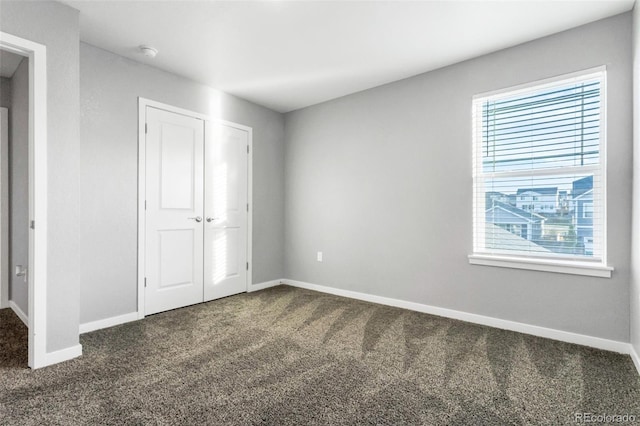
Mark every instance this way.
x=148 y=51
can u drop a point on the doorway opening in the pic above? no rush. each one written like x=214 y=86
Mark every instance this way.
x=14 y=182
x=23 y=179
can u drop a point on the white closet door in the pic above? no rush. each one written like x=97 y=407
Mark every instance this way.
x=174 y=211
x=225 y=246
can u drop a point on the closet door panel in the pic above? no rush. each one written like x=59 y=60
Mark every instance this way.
x=174 y=231
x=226 y=198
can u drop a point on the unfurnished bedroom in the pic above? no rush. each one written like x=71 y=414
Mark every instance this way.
x=319 y=212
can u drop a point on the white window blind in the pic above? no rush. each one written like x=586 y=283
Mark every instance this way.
x=539 y=169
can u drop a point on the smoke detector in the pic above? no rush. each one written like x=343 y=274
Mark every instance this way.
x=148 y=51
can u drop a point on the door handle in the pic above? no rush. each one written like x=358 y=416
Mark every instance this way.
x=197 y=218
x=211 y=219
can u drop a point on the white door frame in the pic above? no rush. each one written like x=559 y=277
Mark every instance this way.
x=37 y=269
x=143 y=103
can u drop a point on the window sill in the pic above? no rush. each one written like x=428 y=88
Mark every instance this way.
x=558 y=266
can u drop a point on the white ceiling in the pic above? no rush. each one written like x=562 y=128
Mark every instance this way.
x=290 y=54
x=9 y=63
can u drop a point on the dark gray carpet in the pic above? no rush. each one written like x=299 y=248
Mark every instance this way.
x=287 y=356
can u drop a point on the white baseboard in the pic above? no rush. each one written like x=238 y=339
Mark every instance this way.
x=108 y=322
x=262 y=286
x=19 y=312
x=133 y=316
x=549 y=333
x=62 y=355
x=635 y=357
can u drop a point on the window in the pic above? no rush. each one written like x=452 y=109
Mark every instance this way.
x=546 y=138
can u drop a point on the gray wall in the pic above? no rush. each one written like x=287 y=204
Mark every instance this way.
x=634 y=316
x=19 y=184
x=56 y=26
x=109 y=89
x=5 y=92
x=381 y=182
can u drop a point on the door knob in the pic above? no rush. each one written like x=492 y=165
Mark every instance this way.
x=197 y=218
x=211 y=219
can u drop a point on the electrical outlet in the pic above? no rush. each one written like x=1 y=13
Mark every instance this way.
x=20 y=271
x=319 y=256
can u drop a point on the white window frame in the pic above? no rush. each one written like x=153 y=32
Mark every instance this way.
x=558 y=264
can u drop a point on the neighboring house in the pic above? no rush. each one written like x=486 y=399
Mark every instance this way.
x=582 y=199
x=522 y=223
x=559 y=228
x=538 y=200
x=491 y=196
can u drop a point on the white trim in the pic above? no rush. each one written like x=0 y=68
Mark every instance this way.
x=66 y=354
x=545 y=265
x=19 y=312
x=142 y=191
x=542 y=258
x=4 y=209
x=544 y=83
x=567 y=170
x=549 y=333
x=108 y=322
x=143 y=103
x=177 y=110
x=37 y=275
x=634 y=357
x=250 y=209
x=478 y=185
x=601 y=247
x=262 y=286
x=583 y=194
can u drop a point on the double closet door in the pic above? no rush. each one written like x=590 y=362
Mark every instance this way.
x=196 y=210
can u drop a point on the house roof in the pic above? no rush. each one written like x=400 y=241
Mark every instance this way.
x=547 y=191
x=585 y=194
x=581 y=186
x=530 y=216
